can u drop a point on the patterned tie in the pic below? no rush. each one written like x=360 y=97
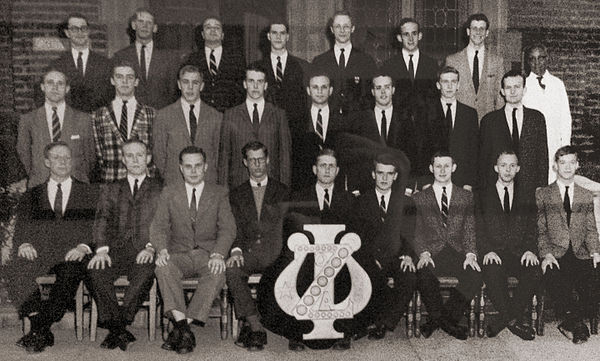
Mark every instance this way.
x=80 y=63
x=383 y=126
x=123 y=122
x=143 y=62
x=515 y=133
x=135 y=188
x=279 y=73
x=476 y=71
x=58 y=201
x=55 y=125
x=193 y=124
x=411 y=68
x=319 y=127
x=444 y=207
x=506 y=201
x=342 y=63
x=542 y=85
x=449 y=117
x=255 y=118
x=382 y=208
x=567 y=205
x=213 y=63
x=193 y=203
x=326 y=200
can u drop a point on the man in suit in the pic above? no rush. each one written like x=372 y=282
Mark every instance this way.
x=349 y=69
x=479 y=85
x=222 y=67
x=569 y=246
x=255 y=119
x=508 y=242
x=125 y=118
x=445 y=243
x=121 y=234
x=518 y=128
x=385 y=220
x=451 y=125
x=54 y=220
x=258 y=208
x=55 y=121
x=414 y=73
x=156 y=69
x=192 y=231
x=188 y=121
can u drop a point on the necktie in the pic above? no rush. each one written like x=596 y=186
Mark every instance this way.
x=55 y=126
x=193 y=124
x=213 y=63
x=255 y=119
x=135 y=188
x=80 y=63
x=279 y=73
x=476 y=71
x=383 y=126
x=444 y=207
x=258 y=184
x=143 y=61
x=515 y=132
x=319 y=127
x=382 y=208
x=123 y=123
x=193 y=203
x=542 y=85
x=449 y=117
x=58 y=201
x=342 y=63
x=567 y=205
x=411 y=69
x=326 y=200
x=506 y=201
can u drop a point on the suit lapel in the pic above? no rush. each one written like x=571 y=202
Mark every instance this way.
x=42 y=124
x=205 y=199
x=249 y=200
x=558 y=201
x=67 y=127
x=435 y=213
x=577 y=214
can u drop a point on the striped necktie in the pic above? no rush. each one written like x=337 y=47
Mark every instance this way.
x=279 y=72
x=123 y=122
x=55 y=126
x=444 y=207
x=213 y=63
x=319 y=127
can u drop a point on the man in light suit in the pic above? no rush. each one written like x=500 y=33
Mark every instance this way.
x=121 y=234
x=156 y=69
x=258 y=207
x=53 y=122
x=125 y=118
x=255 y=119
x=479 y=85
x=569 y=246
x=188 y=121
x=192 y=231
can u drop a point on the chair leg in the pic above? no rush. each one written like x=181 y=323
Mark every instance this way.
x=224 y=305
x=534 y=312
x=26 y=324
x=472 y=317
x=79 y=312
x=481 y=326
x=93 y=321
x=152 y=312
x=540 y=325
x=235 y=324
x=418 y=307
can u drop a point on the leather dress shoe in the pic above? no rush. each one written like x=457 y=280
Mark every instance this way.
x=342 y=344
x=255 y=342
x=377 y=333
x=111 y=341
x=360 y=333
x=25 y=340
x=243 y=337
x=492 y=329
x=39 y=341
x=128 y=336
x=566 y=328
x=172 y=340
x=187 y=342
x=580 y=333
x=454 y=330
x=295 y=345
x=526 y=333
x=594 y=325
x=428 y=327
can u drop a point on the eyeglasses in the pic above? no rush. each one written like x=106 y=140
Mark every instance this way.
x=261 y=160
x=79 y=29
x=345 y=27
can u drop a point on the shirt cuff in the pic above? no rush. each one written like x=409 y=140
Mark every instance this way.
x=236 y=249
x=426 y=253
x=215 y=254
x=102 y=249
x=25 y=245
x=88 y=250
x=474 y=255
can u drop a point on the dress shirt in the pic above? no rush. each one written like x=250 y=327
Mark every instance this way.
x=218 y=53
x=189 y=189
x=452 y=109
x=386 y=198
x=131 y=180
x=263 y=183
x=347 y=51
x=60 y=111
x=85 y=53
x=508 y=109
x=406 y=55
x=314 y=112
x=117 y=105
x=185 y=106
x=561 y=189
x=437 y=189
x=321 y=195
x=480 y=56
x=283 y=58
x=250 y=106
x=388 y=118
x=147 y=52
x=511 y=191
x=65 y=187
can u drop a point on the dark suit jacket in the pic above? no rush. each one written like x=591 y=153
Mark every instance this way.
x=122 y=221
x=262 y=237
x=533 y=150
x=170 y=135
x=224 y=90
x=34 y=135
x=237 y=130
x=389 y=239
x=160 y=88
x=462 y=141
x=174 y=229
x=351 y=86
x=430 y=233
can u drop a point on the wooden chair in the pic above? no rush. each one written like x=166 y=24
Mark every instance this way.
x=253 y=282
x=541 y=312
x=44 y=283
x=121 y=284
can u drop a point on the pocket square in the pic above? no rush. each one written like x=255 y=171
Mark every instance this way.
x=74 y=136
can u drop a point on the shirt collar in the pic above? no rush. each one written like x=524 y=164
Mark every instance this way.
x=199 y=189
x=131 y=180
x=131 y=102
x=283 y=57
x=149 y=46
x=60 y=108
x=64 y=184
x=84 y=53
x=186 y=105
x=263 y=183
x=250 y=103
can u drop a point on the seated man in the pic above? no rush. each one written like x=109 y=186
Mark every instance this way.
x=568 y=243
x=192 y=230
x=507 y=239
x=445 y=231
x=257 y=206
x=53 y=219
x=121 y=233
x=386 y=224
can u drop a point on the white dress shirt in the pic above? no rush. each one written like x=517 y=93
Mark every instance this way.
x=217 y=54
x=480 y=58
x=283 y=58
x=185 y=106
x=60 y=111
x=386 y=198
x=85 y=53
x=511 y=191
x=388 y=116
x=131 y=180
x=65 y=187
x=562 y=188
x=117 y=105
x=347 y=50
x=261 y=107
x=452 y=109
x=263 y=183
x=508 y=109
x=406 y=55
x=437 y=189
x=147 y=53
x=321 y=194
x=314 y=112
x=189 y=190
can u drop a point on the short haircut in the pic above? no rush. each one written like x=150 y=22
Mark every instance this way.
x=123 y=64
x=254 y=145
x=478 y=17
x=385 y=159
x=211 y=17
x=441 y=154
x=257 y=67
x=48 y=148
x=143 y=10
x=447 y=69
x=326 y=152
x=54 y=70
x=189 y=68
x=77 y=16
x=380 y=74
x=315 y=71
x=506 y=151
x=404 y=21
x=566 y=150
x=531 y=48
x=342 y=13
x=135 y=141
x=192 y=149
x=279 y=22
x=513 y=73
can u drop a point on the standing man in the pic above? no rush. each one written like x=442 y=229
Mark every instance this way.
x=480 y=69
x=188 y=121
x=222 y=68
x=258 y=208
x=192 y=232
x=125 y=118
x=568 y=244
x=547 y=93
x=255 y=119
x=349 y=69
x=55 y=121
x=155 y=68
x=121 y=234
